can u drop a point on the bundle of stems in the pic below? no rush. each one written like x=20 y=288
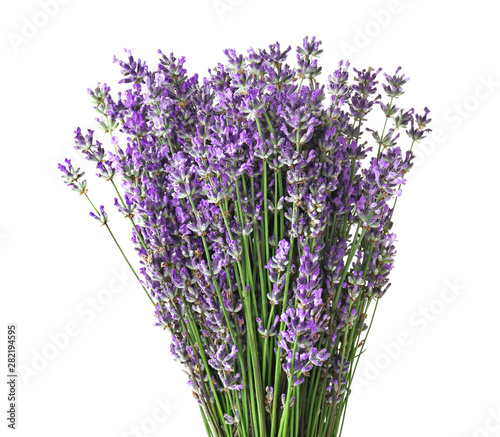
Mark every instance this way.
x=262 y=219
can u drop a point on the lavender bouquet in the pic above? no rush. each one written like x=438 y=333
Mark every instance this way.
x=263 y=228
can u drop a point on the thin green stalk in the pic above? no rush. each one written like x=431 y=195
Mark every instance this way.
x=275 y=215
x=383 y=131
x=121 y=251
x=242 y=216
x=280 y=188
x=242 y=431
x=139 y=235
x=262 y=279
x=221 y=301
x=193 y=343
x=354 y=247
x=258 y=379
x=207 y=426
x=282 y=216
x=266 y=347
x=311 y=395
x=249 y=317
x=357 y=360
x=126 y=259
x=359 y=305
x=277 y=371
x=344 y=344
x=264 y=190
x=297 y=411
x=194 y=330
x=321 y=408
x=300 y=84
x=255 y=415
x=286 y=413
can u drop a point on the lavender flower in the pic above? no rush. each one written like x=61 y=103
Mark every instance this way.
x=100 y=216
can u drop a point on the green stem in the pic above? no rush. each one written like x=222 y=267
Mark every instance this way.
x=357 y=361
x=264 y=190
x=249 y=317
x=207 y=426
x=383 y=131
x=121 y=251
x=221 y=301
x=297 y=411
x=130 y=265
x=139 y=235
x=194 y=330
x=286 y=413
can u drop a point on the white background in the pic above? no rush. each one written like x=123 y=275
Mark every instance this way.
x=432 y=363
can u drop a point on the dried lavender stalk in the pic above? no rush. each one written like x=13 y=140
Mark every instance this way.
x=262 y=225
